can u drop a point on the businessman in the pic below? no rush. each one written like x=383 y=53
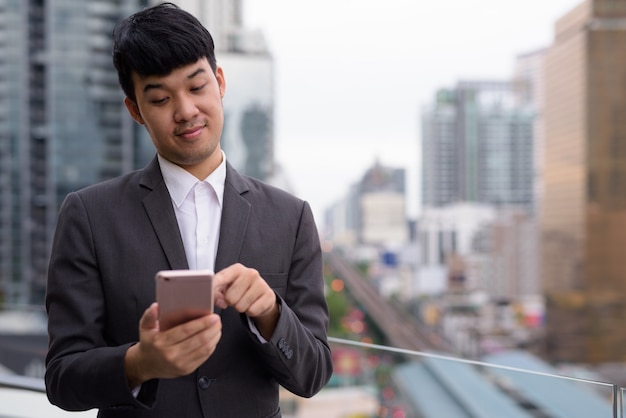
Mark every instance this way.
x=188 y=209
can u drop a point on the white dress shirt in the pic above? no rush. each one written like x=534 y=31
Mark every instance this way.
x=198 y=208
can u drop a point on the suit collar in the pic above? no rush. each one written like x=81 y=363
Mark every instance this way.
x=151 y=175
x=158 y=206
x=236 y=180
x=236 y=212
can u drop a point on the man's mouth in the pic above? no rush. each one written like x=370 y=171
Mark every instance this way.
x=190 y=133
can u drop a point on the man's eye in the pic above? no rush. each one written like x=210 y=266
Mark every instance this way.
x=158 y=101
x=198 y=88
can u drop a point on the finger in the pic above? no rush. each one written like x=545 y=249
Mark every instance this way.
x=256 y=300
x=240 y=294
x=204 y=343
x=149 y=319
x=262 y=304
x=198 y=352
x=183 y=332
x=223 y=278
x=223 y=283
x=198 y=347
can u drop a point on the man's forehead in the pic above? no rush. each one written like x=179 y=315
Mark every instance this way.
x=186 y=72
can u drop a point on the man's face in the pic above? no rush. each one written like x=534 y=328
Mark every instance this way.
x=183 y=114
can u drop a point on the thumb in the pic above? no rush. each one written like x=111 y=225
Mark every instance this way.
x=149 y=319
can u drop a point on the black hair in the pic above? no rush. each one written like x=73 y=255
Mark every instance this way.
x=156 y=41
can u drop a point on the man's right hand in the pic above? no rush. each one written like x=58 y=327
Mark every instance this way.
x=172 y=353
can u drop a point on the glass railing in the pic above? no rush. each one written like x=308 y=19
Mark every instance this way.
x=386 y=382
x=376 y=381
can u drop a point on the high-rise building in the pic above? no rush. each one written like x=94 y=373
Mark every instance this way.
x=372 y=213
x=529 y=75
x=382 y=207
x=477 y=145
x=248 y=135
x=584 y=211
x=14 y=190
x=62 y=125
x=223 y=18
x=341 y=220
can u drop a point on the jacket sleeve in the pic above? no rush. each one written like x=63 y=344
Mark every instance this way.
x=298 y=353
x=82 y=370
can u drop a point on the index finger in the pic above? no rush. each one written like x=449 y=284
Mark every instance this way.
x=225 y=277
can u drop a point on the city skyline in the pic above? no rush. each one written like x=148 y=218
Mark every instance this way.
x=343 y=116
x=353 y=80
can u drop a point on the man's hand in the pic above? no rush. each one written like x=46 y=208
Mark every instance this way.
x=245 y=290
x=172 y=353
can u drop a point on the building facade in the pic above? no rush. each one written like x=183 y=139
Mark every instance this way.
x=477 y=145
x=373 y=212
x=584 y=211
x=62 y=125
x=382 y=207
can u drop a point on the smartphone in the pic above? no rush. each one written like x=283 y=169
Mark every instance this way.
x=183 y=295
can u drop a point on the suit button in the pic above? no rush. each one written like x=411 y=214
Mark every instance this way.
x=204 y=382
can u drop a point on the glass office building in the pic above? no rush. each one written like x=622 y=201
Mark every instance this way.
x=477 y=145
x=62 y=125
x=13 y=128
x=584 y=206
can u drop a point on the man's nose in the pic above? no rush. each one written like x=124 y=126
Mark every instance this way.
x=185 y=110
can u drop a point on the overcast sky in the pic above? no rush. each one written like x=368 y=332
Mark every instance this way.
x=352 y=75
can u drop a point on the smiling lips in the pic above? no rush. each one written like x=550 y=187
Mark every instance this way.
x=192 y=132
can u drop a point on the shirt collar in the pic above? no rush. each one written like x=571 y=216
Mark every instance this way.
x=180 y=182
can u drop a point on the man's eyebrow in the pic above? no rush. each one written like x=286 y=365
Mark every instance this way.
x=195 y=73
x=151 y=86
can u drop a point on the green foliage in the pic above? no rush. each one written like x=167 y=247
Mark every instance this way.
x=338 y=305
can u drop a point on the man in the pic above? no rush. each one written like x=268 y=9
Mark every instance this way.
x=187 y=209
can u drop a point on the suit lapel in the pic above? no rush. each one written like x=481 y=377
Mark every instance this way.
x=158 y=205
x=235 y=215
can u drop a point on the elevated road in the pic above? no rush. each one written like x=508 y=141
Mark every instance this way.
x=401 y=330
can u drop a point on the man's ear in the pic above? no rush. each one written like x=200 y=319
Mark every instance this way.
x=221 y=81
x=133 y=109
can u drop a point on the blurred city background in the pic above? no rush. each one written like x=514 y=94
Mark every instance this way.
x=483 y=278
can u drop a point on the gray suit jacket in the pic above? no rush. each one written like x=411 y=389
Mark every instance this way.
x=113 y=237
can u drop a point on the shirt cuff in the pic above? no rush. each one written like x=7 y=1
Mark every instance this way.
x=253 y=327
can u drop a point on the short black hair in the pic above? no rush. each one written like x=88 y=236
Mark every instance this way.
x=156 y=41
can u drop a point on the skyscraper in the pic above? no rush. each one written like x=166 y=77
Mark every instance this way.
x=381 y=206
x=14 y=131
x=62 y=125
x=584 y=210
x=373 y=212
x=477 y=145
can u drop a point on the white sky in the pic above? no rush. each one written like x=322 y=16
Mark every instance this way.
x=352 y=75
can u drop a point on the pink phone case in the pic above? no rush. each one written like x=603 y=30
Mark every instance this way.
x=183 y=295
